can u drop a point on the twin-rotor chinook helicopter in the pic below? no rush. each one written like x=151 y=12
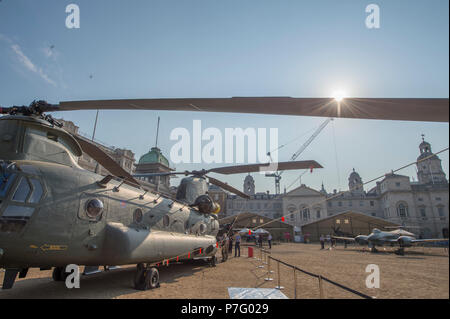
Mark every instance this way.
x=54 y=213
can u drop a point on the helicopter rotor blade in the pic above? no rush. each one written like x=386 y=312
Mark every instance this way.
x=227 y=187
x=281 y=166
x=105 y=160
x=401 y=109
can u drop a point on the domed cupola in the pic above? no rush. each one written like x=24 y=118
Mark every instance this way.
x=154 y=156
x=429 y=167
x=249 y=185
x=355 y=183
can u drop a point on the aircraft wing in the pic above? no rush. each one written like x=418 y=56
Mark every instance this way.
x=343 y=238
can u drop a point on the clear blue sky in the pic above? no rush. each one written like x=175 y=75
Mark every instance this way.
x=210 y=48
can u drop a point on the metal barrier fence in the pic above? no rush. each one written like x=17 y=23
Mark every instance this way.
x=265 y=258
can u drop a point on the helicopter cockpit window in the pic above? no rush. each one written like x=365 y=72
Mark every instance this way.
x=37 y=193
x=94 y=208
x=22 y=191
x=5 y=183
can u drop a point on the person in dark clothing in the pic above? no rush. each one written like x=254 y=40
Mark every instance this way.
x=322 y=242
x=237 y=245
x=260 y=241
x=230 y=245
x=269 y=239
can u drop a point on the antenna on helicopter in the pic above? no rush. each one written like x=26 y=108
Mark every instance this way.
x=157 y=132
x=117 y=188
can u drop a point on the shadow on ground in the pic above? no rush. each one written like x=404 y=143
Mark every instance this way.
x=108 y=284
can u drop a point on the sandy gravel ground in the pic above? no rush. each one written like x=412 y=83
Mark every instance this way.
x=421 y=273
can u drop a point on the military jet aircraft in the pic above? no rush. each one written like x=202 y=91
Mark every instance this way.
x=399 y=237
x=54 y=213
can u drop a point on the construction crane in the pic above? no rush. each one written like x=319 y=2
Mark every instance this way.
x=277 y=175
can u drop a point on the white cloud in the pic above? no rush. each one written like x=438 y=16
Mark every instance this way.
x=23 y=58
x=26 y=62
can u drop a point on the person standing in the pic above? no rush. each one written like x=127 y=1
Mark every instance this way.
x=260 y=240
x=322 y=242
x=269 y=239
x=237 y=246
x=230 y=245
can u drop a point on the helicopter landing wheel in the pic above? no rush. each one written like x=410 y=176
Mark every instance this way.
x=146 y=279
x=59 y=274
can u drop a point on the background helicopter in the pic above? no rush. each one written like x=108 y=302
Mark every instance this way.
x=54 y=213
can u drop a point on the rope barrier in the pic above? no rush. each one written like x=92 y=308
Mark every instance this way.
x=319 y=277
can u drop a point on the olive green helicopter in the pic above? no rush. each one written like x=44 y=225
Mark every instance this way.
x=53 y=213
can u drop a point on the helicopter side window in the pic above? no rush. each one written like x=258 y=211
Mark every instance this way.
x=22 y=191
x=137 y=215
x=166 y=221
x=94 y=208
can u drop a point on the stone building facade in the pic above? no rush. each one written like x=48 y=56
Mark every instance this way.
x=155 y=162
x=264 y=204
x=423 y=204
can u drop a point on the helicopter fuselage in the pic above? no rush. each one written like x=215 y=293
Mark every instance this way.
x=54 y=213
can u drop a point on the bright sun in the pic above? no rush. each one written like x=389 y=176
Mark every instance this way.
x=339 y=95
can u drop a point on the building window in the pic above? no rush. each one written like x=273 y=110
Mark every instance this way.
x=350 y=203
x=397 y=184
x=402 y=210
x=361 y=203
x=330 y=204
x=372 y=203
x=420 y=199
x=441 y=211
x=305 y=214
x=438 y=198
x=340 y=204
x=423 y=212
x=318 y=214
